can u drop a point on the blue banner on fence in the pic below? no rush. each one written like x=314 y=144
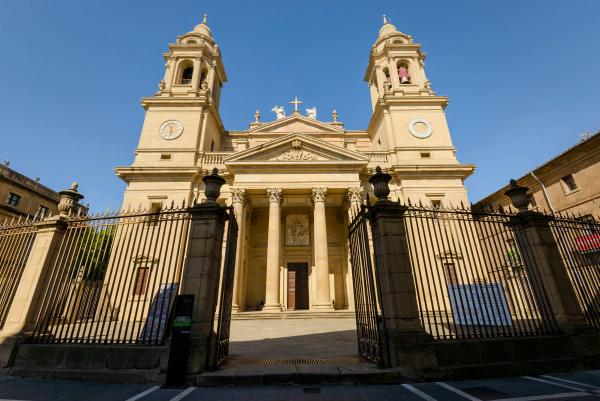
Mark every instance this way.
x=479 y=304
x=158 y=314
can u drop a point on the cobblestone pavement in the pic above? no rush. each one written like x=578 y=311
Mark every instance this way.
x=293 y=338
x=583 y=385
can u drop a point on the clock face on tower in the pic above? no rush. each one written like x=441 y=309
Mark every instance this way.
x=171 y=129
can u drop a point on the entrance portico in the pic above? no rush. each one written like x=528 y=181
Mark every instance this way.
x=292 y=250
x=294 y=213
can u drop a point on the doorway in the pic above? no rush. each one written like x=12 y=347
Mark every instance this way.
x=297 y=294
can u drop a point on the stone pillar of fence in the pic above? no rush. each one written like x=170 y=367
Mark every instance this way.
x=200 y=276
x=410 y=348
x=27 y=302
x=542 y=258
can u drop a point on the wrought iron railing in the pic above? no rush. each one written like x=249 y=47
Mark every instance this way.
x=369 y=321
x=470 y=277
x=578 y=238
x=114 y=279
x=223 y=318
x=16 y=240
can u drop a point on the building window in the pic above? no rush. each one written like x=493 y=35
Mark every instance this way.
x=569 y=183
x=436 y=204
x=186 y=75
x=141 y=280
x=425 y=155
x=531 y=200
x=13 y=199
x=450 y=273
x=212 y=146
x=41 y=213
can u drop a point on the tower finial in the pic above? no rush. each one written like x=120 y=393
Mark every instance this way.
x=385 y=19
x=204 y=19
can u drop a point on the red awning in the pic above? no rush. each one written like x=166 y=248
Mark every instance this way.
x=588 y=242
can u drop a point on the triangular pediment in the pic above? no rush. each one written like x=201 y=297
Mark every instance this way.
x=296 y=149
x=297 y=123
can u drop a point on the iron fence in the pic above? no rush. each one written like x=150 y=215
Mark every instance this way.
x=471 y=277
x=578 y=238
x=114 y=279
x=226 y=293
x=16 y=240
x=369 y=321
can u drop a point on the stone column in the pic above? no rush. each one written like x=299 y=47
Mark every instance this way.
x=273 y=248
x=408 y=345
x=393 y=68
x=323 y=300
x=239 y=199
x=380 y=78
x=33 y=285
x=196 y=74
x=550 y=282
x=200 y=278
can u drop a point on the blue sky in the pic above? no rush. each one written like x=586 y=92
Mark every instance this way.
x=522 y=76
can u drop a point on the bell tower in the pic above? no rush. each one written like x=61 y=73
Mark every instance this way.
x=181 y=121
x=409 y=123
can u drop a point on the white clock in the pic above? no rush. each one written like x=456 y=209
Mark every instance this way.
x=420 y=128
x=171 y=129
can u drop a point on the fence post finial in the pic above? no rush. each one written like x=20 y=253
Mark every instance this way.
x=213 y=184
x=380 y=181
x=518 y=196
x=69 y=200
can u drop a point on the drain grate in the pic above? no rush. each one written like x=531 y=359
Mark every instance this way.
x=352 y=360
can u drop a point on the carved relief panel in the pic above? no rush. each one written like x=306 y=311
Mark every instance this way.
x=297 y=231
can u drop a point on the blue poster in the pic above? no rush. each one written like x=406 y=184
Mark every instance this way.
x=479 y=304
x=156 y=321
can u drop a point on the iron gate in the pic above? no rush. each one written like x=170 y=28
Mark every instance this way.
x=369 y=321
x=221 y=343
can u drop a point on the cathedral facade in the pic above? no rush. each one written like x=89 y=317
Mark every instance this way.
x=294 y=181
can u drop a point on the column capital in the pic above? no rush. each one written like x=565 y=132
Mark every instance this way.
x=319 y=195
x=274 y=195
x=239 y=195
x=354 y=195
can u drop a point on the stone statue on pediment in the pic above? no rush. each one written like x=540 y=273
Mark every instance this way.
x=311 y=113
x=279 y=112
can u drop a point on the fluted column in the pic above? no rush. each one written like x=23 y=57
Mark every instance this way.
x=323 y=300
x=273 y=246
x=239 y=200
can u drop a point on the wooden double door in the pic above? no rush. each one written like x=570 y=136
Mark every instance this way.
x=297 y=294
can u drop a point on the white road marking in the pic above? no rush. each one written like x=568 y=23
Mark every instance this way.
x=457 y=391
x=143 y=393
x=418 y=392
x=183 y=394
x=537 y=379
x=545 y=397
x=570 y=381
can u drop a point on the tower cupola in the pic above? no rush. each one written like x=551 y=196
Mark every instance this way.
x=396 y=65
x=193 y=66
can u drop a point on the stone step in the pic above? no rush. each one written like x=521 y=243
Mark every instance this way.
x=293 y=315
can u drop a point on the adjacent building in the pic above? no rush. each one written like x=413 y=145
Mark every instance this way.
x=567 y=183
x=22 y=196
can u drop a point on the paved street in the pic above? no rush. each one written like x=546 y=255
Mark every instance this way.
x=584 y=385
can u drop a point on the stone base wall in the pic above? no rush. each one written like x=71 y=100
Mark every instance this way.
x=515 y=356
x=115 y=364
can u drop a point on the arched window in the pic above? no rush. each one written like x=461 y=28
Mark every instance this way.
x=186 y=75
x=387 y=83
x=404 y=73
x=191 y=42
